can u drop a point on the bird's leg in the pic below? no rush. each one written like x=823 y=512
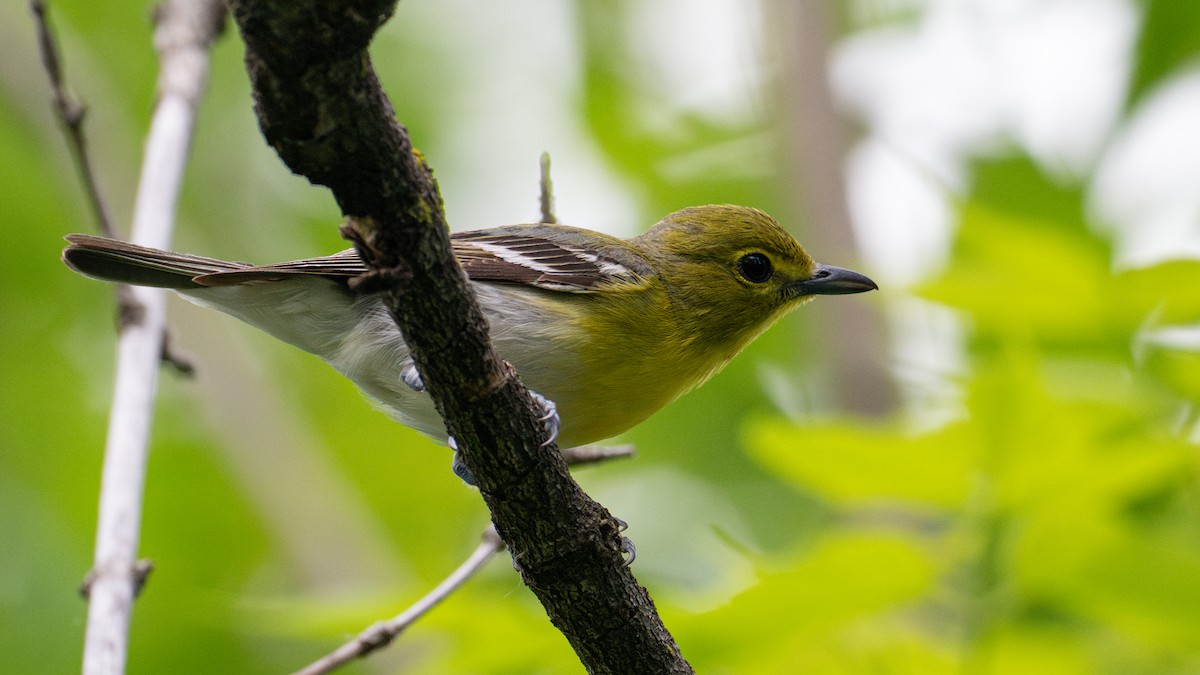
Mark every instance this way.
x=550 y=424
x=457 y=466
x=410 y=376
x=627 y=546
x=549 y=419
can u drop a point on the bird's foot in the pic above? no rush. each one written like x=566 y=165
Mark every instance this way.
x=457 y=466
x=549 y=420
x=410 y=376
x=627 y=547
x=629 y=550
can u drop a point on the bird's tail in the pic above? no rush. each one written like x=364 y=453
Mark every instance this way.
x=122 y=262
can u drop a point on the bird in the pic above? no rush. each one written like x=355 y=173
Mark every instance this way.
x=606 y=331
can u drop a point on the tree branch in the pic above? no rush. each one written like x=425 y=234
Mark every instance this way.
x=184 y=30
x=381 y=634
x=71 y=114
x=320 y=105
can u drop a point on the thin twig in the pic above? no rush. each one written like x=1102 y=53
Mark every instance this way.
x=71 y=113
x=179 y=360
x=593 y=454
x=184 y=30
x=546 y=191
x=381 y=634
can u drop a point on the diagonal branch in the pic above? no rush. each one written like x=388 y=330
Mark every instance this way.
x=183 y=32
x=381 y=634
x=71 y=114
x=321 y=107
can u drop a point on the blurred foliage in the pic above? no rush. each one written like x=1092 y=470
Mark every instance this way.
x=1059 y=514
x=1169 y=40
x=1051 y=525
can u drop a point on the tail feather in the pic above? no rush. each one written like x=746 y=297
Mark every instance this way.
x=122 y=262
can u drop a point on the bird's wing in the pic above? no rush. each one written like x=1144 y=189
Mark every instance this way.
x=534 y=256
x=126 y=263
x=529 y=255
x=341 y=265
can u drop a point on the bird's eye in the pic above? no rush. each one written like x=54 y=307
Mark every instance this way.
x=755 y=267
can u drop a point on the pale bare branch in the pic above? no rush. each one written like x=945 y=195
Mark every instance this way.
x=381 y=634
x=184 y=30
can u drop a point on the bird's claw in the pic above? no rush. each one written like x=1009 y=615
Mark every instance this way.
x=457 y=466
x=410 y=376
x=549 y=418
x=627 y=547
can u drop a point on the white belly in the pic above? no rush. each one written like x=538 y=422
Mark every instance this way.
x=359 y=339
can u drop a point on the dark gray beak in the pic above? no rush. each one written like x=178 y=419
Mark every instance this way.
x=830 y=280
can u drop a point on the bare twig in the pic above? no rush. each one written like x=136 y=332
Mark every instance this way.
x=381 y=634
x=546 y=191
x=184 y=30
x=593 y=454
x=71 y=113
x=174 y=357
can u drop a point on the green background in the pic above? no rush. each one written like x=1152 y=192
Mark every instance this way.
x=1049 y=522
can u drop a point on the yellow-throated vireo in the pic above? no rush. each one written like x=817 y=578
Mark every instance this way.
x=610 y=330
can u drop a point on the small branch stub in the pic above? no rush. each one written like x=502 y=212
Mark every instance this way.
x=546 y=191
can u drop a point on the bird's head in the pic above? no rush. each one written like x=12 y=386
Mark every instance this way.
x=733 y=271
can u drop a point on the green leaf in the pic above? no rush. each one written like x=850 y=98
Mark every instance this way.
x=1015 y=185
x=1169 y=40
x=850 y=464
x=1023 y=648
x=1022 y=278
x=1134 y=583
x=821 y=600
x=1168 y=290
x=1178 y=370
